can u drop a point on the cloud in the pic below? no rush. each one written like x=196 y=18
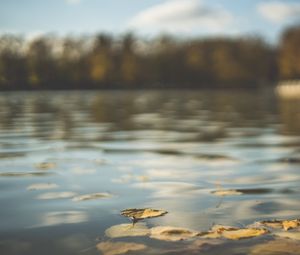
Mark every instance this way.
x=182 y=16
x=279 y=12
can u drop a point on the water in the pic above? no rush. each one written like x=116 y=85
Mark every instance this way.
x=167 y=150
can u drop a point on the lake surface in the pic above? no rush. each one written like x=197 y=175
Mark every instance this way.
x=160 y=149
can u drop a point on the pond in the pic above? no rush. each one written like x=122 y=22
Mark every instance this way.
x=168 y=150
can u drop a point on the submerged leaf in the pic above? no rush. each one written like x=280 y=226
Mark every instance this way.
x=139 y=214
x=124 y=230
x=115 y=248
x=229 y=192
x=172 y=233
x=92 y=196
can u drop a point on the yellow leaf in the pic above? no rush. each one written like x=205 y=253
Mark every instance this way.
x=285 y=224
x=243 y=233
x=290 y=224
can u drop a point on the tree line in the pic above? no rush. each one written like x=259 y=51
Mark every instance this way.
x=127 y=62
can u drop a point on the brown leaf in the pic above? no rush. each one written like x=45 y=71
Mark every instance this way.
x=139 y=214
x=115 y=248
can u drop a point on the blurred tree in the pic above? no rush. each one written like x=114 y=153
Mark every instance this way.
x=13 y=71
x=289 y=54
x=41 y=64
x=101 y=60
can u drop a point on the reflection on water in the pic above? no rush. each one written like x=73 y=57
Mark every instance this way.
x=165 y=150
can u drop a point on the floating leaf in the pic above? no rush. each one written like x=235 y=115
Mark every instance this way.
x=290 y=224
x=115 y=248
x=277 y=246
x=229 y=192
x=236 y=233
x=45 y=165
x=285 y=224
x=56 y=195
x=140 y=214
x=91 y=196
x=42 y=186
x=243 y=233
x=23 y=174
x=124 y=230
x=172 y=233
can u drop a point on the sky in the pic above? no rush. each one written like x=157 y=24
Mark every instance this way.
x=183 y=18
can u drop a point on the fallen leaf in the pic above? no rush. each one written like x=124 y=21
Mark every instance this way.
x=284 y=224
x=56 y=195
x=23 y=174
x=91 y=196
x=229 y=192
x=271 y=223
x=277 y=246
x=221 y=228
x=172 y=233
x=290 y=224
x=115 y=248
x=243 y=233
x=139 y=214
x=45 y=165
x=235 y=233
x=42 y=186
x=124 y=230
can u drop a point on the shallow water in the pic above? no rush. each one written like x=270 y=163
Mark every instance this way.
x=167 y=150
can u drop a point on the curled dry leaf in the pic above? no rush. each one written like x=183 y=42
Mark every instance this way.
x=284 y=224
x=92 y=196
x=115 y=248
x=139 y=214
x=228 y=192
x=277 y=246
x=124 y=230
x=42 y=186
x=172 y=233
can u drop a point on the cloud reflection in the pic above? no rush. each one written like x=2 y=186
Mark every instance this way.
x=65 y=217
